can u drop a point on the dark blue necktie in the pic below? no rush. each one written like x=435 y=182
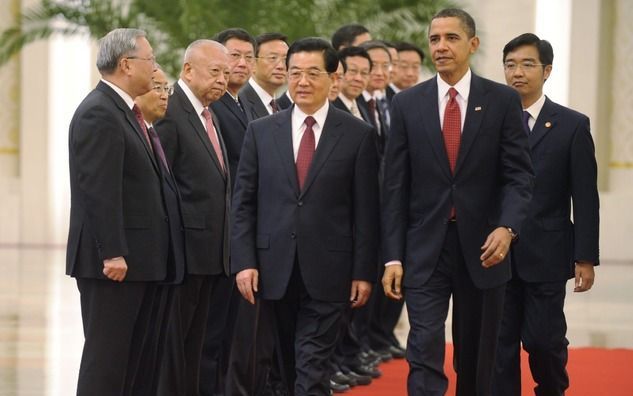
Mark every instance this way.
x=526 y=126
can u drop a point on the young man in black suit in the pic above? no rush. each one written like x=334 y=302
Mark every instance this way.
x=195 y=150
x=552 y=248
x=304 y=231
x=269 y=75
x=457 y=186
x=118 y=244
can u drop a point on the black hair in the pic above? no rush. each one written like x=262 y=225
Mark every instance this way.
x=348 y=52
x=266 y=37
x=234 y=33
x=346 y=34
x=373 y=44
x=544 y=48
x=468 y=23
x=404 y=46
x=315 y=44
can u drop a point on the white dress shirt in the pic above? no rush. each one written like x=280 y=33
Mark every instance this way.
x=535 y=110
x=463 y=90
x=299 y=126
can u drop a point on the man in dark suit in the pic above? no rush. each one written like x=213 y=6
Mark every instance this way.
x=457 y=185
x=195 y=150
x=354 y=81
x=118 y=244
x=552 y=249
x=304 y=228
x=269 y=75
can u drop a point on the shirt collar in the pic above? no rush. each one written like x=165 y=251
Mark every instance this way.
x=462 y=86
x=395 y=89
x=347 y=102
x=367 y=96
x=129 y=101
x=536 y=107
x=298 y=116
x=195 y=102
x=263 y=95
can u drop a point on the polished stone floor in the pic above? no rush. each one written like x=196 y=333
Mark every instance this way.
x=41 y=336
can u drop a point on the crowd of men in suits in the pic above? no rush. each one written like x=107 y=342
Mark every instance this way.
x=229 y=239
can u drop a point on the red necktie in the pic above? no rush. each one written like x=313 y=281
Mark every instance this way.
x=157 y=147
x=213 y=136
x=452 y=133
x=273 y=105
x=141 y=123
x=452 y=128
x=371 y=105
x=306 y=151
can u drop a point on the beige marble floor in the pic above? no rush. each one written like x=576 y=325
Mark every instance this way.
x=41 y=336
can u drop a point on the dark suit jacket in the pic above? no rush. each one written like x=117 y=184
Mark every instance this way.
x=116 y=204
x=329 y=228
x=232 y=122
x=491 y=187
x=338 y=103
x=284 y=101
x=565 y=166
x=390 y=93
x=204 y=188
x=253 y=104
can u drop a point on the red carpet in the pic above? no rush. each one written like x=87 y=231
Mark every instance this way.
x=592 y=372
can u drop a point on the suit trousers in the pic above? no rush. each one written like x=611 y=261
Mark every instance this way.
x=384 y=318
x=218 y=336
x=476 y=320
x=533 y=316
x=123 y=324
x=180 y=365
x=309 y=329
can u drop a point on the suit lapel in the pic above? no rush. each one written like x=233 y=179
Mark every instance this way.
x=196 y=124
x=432 y=127
x=477 y=105
x=330 y=134
x=258 y=109
x=228 y=101
x=283 y=142
x=545 y=122
x=131 y=119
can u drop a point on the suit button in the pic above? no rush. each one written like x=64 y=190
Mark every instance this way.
x=293 y=235
x=166 y=219
x=300 y=203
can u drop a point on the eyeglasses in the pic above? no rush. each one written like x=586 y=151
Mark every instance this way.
x=354 y=73
x=311 y=74
x=236 y=56
x=381 y=66
x=169 y=90
x=273 y=59
x=526 y=66
x=151 y=58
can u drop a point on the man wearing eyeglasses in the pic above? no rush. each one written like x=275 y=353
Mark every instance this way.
x=261 y=92
x=409 y=67
x=117 y=242
x=354 y=81
x=304 y=228
x=195 y=150
x=552 y=249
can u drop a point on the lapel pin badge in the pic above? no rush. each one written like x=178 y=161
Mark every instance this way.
x=478 y=108
x=548 y=124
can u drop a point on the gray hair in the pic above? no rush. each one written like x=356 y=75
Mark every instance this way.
x=114 y=45
x=192 y=48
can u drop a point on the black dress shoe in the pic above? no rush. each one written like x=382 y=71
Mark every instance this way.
x=344 y=379
x=359 y=378
x=371 y=371
x=397 y=352
x=369 y=360
x=338 y=388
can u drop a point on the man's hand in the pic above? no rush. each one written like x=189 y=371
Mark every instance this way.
x=115 y=268
x=247 y=281
x=360 y=293
x=391 y=281
x=585 y=276
x=496 y=247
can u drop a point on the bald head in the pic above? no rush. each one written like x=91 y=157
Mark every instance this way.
x=205 y=70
